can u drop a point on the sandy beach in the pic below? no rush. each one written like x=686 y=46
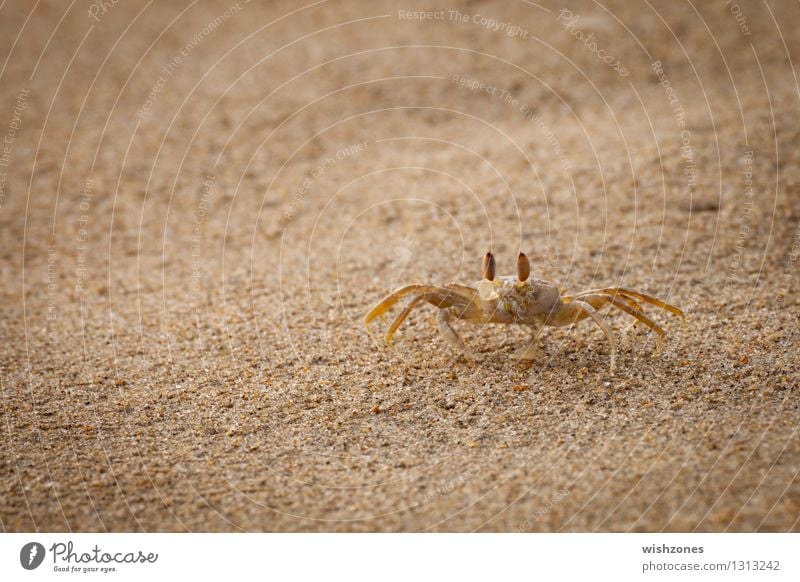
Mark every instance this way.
x=200 y=201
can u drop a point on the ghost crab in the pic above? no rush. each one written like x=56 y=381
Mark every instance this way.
x=520 y=299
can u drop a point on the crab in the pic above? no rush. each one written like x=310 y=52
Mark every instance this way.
x=521 y=300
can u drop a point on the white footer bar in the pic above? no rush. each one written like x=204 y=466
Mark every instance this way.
x=372 y=557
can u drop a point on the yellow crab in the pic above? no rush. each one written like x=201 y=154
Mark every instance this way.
x=519 y=299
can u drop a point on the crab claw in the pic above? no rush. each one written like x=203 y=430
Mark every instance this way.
x=523 y=268
x=488 y=266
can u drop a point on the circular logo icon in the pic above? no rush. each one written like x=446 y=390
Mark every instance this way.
x=31 y=555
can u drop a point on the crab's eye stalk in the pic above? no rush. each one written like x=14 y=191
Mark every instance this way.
x=523 y=268
x=488 y=266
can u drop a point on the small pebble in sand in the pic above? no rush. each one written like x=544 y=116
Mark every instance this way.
x=702 y=205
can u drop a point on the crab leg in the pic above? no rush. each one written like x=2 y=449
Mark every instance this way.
x=577 y=310
x=443 y=320
x=599 y=300
x=601 y=324
x=528 y=352
x=640 y=317
x=455 y=294
x=432 y=298
x=401 y=317
x=631 y=294
x=450 y=335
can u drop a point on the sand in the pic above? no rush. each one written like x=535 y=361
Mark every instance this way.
x=200 y=202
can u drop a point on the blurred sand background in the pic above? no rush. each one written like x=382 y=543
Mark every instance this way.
x=200 y=201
